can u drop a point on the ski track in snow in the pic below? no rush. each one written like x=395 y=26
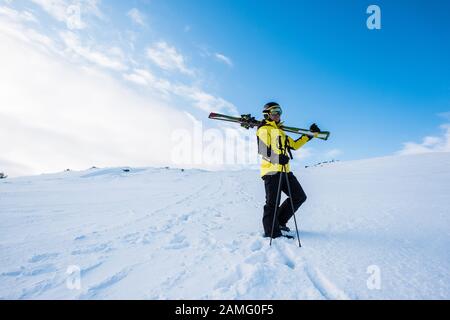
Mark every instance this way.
x=166 y=234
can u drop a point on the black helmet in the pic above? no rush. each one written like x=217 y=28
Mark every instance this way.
x=271 y=107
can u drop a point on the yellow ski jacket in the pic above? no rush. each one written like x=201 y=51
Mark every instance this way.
x=271 y=141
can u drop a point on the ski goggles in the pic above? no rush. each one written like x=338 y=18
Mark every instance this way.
x=276 y=110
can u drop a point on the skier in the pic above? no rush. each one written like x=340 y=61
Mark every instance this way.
x=275 y=148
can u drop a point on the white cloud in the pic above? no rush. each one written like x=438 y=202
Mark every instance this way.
x=200 y=99
x=56 y=115
x=167 y=58
x=73 y=44
x=224 y=59
x=333 y=153
x=92 y=7
x=145 y=78
x=56 y=8
x=14 y=24
x=137 y=17
x=17 y=16
x=205 y=101
x=58 y=111
x=429 y=144
x=73 y=14
x=304 y=153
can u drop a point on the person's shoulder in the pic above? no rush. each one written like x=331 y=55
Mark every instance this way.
x=263 y=124
x=263 y=128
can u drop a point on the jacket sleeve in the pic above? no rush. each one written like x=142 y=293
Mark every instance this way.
x=300 y=142
x=264 y=145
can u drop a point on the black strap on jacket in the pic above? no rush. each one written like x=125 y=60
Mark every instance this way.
x=286 y=147
x=266 y=151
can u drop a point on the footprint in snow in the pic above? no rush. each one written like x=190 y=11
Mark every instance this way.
x=102 y=247
x=256 y=257
x=233 y=246
x=14 y=273
x=131 y=238
x=177 y=242
x=47 y=268
x=108 y=282
x=278 y=255
x=184 y=217
x=33 y=271
x=42 y=257
x=145 y=238
x=89 y=268
x=256 y=245
x=326 y=287
x=37 y=289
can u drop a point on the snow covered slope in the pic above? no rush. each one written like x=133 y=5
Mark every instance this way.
x=164 y=233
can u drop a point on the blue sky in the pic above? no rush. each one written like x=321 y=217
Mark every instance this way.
x=380 y=92
x=373 y=89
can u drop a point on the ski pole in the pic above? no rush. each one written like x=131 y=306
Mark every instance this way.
x=276 y=207
x=292 y=204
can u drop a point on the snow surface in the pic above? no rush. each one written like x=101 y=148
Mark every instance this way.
x=167 y=234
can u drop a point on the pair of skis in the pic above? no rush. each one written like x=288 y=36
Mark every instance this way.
x=247 y=121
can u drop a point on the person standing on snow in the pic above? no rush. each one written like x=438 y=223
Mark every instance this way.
x=273 y=146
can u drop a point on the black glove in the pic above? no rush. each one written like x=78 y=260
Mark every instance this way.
x=314 y=128
x=283 y=159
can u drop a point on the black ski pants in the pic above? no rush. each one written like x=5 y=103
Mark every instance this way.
x=284 y=212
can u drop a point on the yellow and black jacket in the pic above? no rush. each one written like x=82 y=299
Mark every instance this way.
x=271 y=141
